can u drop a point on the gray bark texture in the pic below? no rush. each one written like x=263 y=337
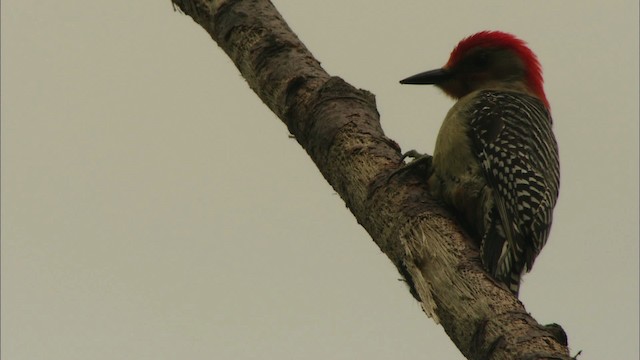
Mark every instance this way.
x=338 y=125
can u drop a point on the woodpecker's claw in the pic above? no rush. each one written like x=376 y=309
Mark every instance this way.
x=420 y=163
x=414 y=155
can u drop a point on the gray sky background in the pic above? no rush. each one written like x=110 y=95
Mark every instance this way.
x=153 y=207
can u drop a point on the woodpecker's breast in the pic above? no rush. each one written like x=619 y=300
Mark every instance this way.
x=457 y=178
x=453 y=150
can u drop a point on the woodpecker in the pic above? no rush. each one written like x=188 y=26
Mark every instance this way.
x=495 y=162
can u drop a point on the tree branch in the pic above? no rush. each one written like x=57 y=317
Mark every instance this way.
x=338 y=125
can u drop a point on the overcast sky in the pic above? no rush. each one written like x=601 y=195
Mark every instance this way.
x=154 y=208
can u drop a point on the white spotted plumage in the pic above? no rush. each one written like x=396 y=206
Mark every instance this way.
x=513 y=141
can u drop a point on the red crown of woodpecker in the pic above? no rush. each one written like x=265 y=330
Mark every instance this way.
x=499 y=39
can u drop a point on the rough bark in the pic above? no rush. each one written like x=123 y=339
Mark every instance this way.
x=338 y=125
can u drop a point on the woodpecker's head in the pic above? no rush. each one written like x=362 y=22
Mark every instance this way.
x=487 y=60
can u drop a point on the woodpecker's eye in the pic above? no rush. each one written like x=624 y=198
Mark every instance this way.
x=481 y=59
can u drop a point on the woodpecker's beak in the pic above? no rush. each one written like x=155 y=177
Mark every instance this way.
x=431 y=77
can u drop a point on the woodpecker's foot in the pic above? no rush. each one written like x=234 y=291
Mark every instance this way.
x=414 y=155
x=421 y=163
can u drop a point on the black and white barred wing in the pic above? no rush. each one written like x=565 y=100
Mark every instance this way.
x=519 y=156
